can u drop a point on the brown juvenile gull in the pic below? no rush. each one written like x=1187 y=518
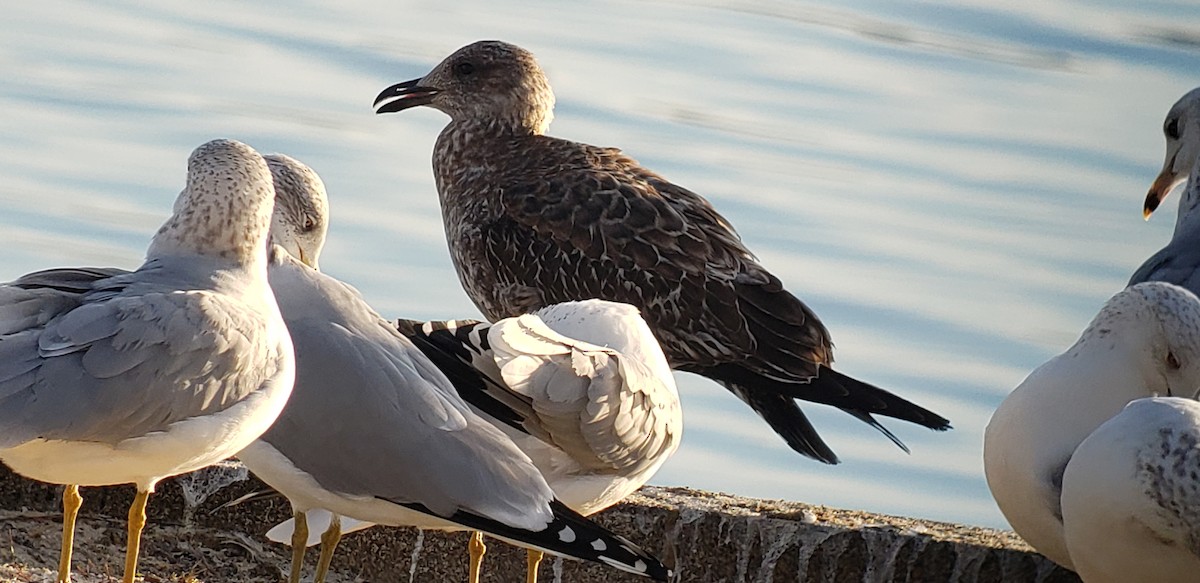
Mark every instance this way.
x=533 y=221
x=114 y=377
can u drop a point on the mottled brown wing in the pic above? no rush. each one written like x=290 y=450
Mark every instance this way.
x=606 y=227
x=605 y=232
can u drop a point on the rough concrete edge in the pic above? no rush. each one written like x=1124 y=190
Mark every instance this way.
x=706 y=536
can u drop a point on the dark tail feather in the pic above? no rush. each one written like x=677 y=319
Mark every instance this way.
x=792 y=357
x=869 y=420
x=788 y=421
x=833 y=388
x=774 y=400
x=570 y=535
x=885 y=403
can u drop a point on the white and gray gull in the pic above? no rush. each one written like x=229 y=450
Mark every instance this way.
x=1145 y=342
x=583 y=388
x=533 y=221
x=113 y=377
x=1179 y=261
x=375 y=432
x=1131 y=495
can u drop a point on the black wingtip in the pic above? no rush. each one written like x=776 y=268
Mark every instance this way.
x=789 y=422
x=570 y=535
x=775 y=401
x=873 y=422
x=450 y=348
x=876 y=401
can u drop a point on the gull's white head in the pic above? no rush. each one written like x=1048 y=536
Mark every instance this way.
x=225 y=209
x=1157 y=325
x=301 y=215
x=1182 y=131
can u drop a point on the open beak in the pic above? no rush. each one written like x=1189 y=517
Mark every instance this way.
x=404 y=95
x=1166 y=180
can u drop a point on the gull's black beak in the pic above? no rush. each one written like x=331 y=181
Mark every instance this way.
x=404 y=95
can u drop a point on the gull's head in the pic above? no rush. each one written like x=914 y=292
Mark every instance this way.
x=490 y=82
x=301 y=215
x=225 y=209
x=1182 y=131
x=1157 y=325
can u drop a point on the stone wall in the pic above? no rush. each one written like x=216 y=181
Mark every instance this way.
x=707 y=537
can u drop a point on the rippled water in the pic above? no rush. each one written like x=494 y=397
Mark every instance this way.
x=954 y=187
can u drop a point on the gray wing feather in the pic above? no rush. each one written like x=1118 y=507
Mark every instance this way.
x=123 y=362
x=1177 y=263
x=370 y=415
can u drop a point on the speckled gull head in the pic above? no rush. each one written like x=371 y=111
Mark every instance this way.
x=488 y=81
x=223 y=176
x=1182 y=130
x=301 y=215
x=1154 y=329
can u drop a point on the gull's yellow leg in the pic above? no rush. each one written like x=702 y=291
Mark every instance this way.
x=137 y=521
x=476 y=547
x=71 y=503
x=329 y=541
x=532 y=559
x=299 y=542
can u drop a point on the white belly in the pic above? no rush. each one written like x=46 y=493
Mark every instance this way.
x=185 y=446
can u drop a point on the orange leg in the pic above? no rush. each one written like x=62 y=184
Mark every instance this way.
x=137 y=521
x=71 y=503
x=476 y=547
x=532 y=559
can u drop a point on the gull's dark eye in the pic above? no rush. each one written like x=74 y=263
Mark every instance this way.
x=464 y=69
x=1172 y=361
x=309 y=224
x=1172 y=128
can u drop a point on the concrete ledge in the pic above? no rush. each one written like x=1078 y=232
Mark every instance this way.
x=708 y=537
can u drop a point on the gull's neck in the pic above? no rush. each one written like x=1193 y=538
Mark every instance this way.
x=1187 y=222
x=206 y=227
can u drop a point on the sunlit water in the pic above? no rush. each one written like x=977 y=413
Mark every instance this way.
x=954 y=187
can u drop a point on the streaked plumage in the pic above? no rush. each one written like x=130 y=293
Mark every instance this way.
x=111 y=377
x=376 y=433
x=1145 y=342
x=534 y=221
x=1179 y=261
x=1131 y=496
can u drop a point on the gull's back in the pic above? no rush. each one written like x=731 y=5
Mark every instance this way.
x=371 y=416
